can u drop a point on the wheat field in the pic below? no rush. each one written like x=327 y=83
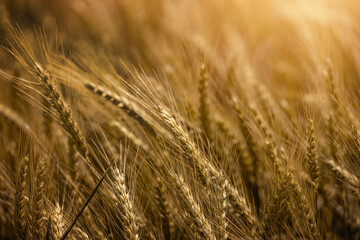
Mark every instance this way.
x=179 y=119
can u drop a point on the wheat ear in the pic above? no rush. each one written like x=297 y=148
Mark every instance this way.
x=203 y=227
x=334 y=99
x=123 y=103
x=78 y=233
x=57 y=223
x=304 y=206
x=297 y=191
x=125 y=205
x=311 y=157
x=21 y=200
x=276 y=211
x=39 y=201
x=134 y=140
x=204 y=103
x=273 y=156
x=221 y=200
x=163 y=205
x=344 y=175
x=261 y=122
x=58 y=102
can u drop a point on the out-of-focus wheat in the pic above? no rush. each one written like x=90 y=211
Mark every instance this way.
x=210 y=101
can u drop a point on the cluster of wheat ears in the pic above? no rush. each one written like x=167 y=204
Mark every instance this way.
x=183 y=119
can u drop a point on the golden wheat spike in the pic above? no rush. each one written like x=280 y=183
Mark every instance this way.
x=125 y=205
x=204 y=102
x=122 y=103
x=311 y=155
x=202 y=225
x=21 y=200
x=64 y=111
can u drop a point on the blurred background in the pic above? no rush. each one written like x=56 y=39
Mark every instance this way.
x=282 y=42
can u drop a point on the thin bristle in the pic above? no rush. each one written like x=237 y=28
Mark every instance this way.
x=356 y=137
